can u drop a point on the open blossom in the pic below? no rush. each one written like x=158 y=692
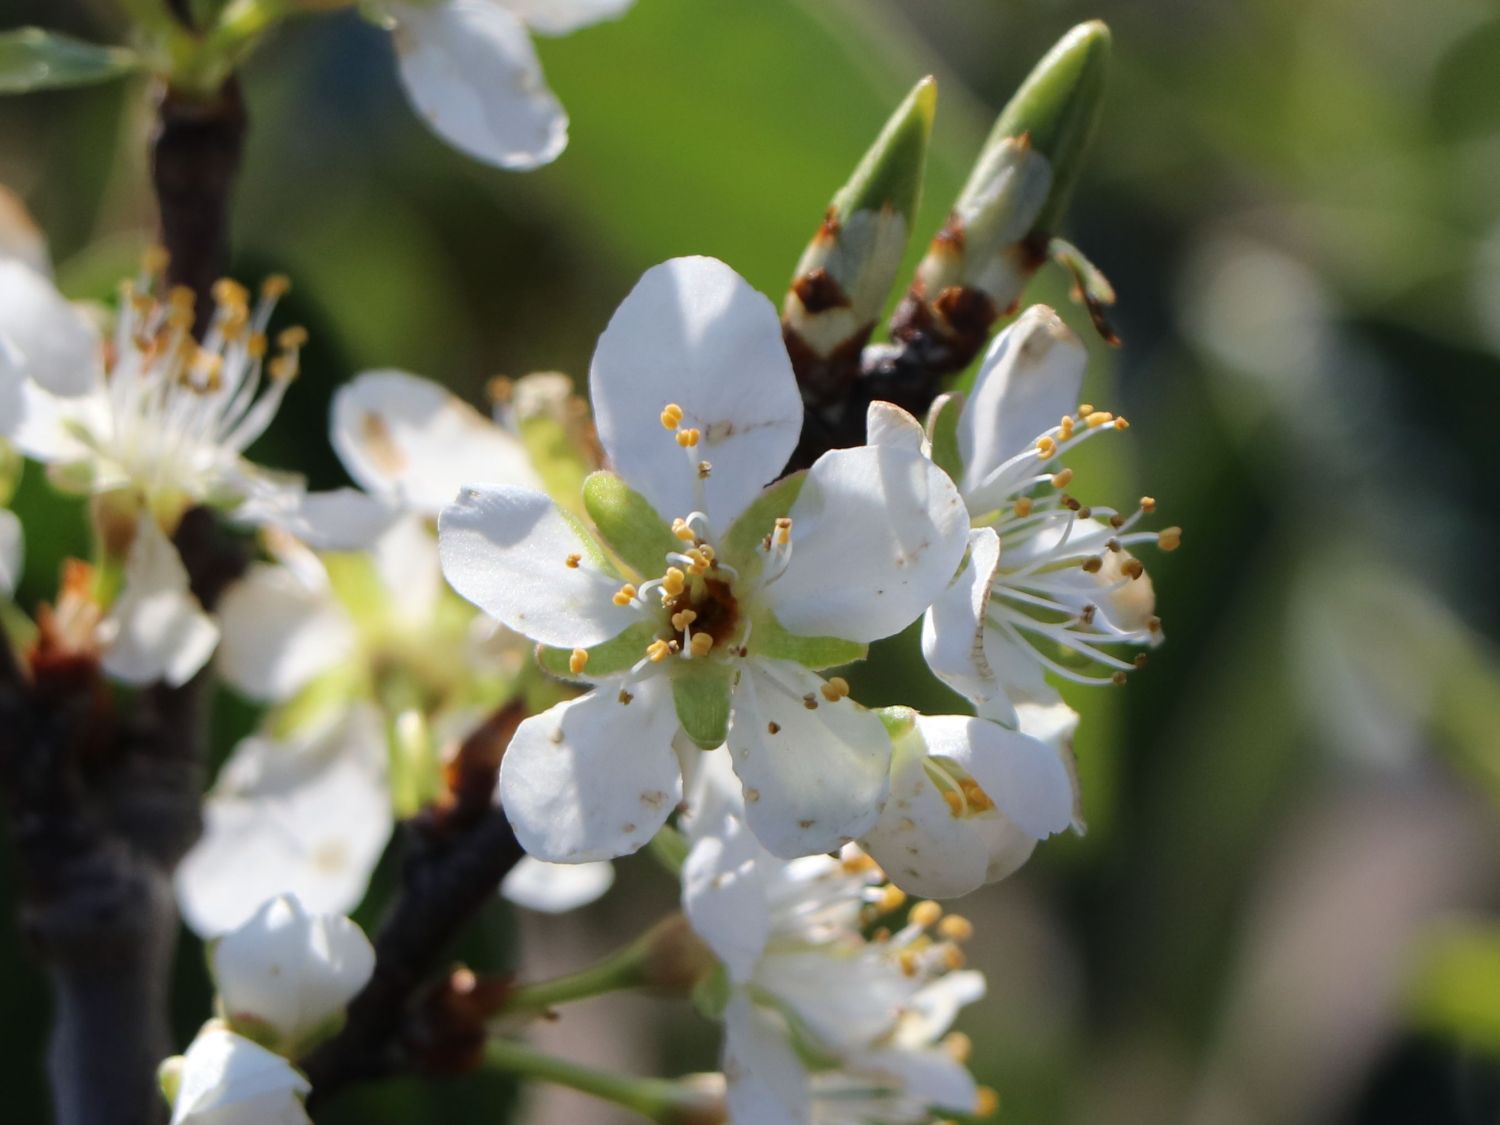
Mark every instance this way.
x=286 y=975
x=727 y=593
x=970 y=798
x=226 y=1079
x=307 y=816
x=806 y=982
x=1044 y=574
x=470 y=70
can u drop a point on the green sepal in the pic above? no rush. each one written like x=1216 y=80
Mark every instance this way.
x=711 y=994
x=942 y=432
x=34 y=59
x=627 y=522
x=771 y=639
x=702 y=699
x=557 y=460
x=608 y=658
x=897 y=720
x=741 y=545
x=1058 y=107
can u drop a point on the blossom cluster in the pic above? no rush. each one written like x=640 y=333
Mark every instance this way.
x=678 y=614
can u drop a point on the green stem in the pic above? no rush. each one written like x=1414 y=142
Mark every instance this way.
x=653 y=1098
x=622 y=970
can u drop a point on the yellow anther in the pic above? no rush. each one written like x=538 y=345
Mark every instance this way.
x=908 y=962
x=275 y=286
x=499 y=388
x=978 y=800
x=708 y=553
x=226 y=291
x=1169 y=538
x=671 y=415
x=1046 y=446
x=1148 y=504
x=1023 y=506
x=293 y=337
x=986 y=1102
x=657 y=651
x=1132 y=568
x=783 y=531
x=702 y=644
x=681 y=529
x=955 y=802
x=1097 y=418
x=925 y=913
x=688 y=438
x=573 y=560
x=958 y=1046
x=953 y=957
x=181 y=297
x=674 y=581
x=283 y=368
x=1118 y=679
x=578 y=661
x=891 y=898
x=1085 y=409
x=683 y=618
x=857 y=862
x=956 y=927
x=155 y=259
x=625 y=594
x=1065 y=427
x=256 y=346
x=699 y=561
x=1062 y=478
x=835 y=688
x=1121 y=424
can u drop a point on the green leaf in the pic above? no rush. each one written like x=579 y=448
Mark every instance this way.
x=609 y=658
x=770 y=638
x=741 y=545
x=702 y=699
x=629 y=524
x=34 y=59
x=942 y=431
x=1457 y=987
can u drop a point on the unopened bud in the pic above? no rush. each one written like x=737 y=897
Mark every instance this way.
x=847 y=271
x=673 y=958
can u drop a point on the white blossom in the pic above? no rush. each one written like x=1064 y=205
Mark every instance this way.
x=470 y=70
x=285 y=975
x=226 y=1079
x=308 y=816
x=12 y=552
x=714 y=625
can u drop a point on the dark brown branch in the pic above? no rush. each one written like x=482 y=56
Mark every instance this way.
x=457 y=854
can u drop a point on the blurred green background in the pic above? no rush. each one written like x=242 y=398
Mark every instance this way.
x=1284 y=910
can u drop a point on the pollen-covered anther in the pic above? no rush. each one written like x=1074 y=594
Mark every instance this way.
x=154 y=260
x=954 y=801
x=671 y=416
x=658 y=650
x=1065 y=427
x=1085 y=409
x=624 y=595
x=698 y=561
x=1122 y=424
x=1118 y=679
x=1062 y=478
x=958 y=1046
x=257 y=345
x=955 y=927
x=499 y=389
x=1153 y=624
x=925 y=913
x=673 y=582
x=572 y=561
x=1096 y=418
x=683 y=618
x=1148 y=504
x=783 y=532
x=577 y=661
x=986 y=1102
x=681 y=529
x=283 y=368
x=292 y=338
x=907 y=959
x=701 y=645
x=1132 y=568
x=688 y=438
x=1169 y=538
x=856 y=862
x=1023 y=507
x=978 y=800
x=1072 y=503
x=227 y=292
x=891 y=898
x=835 y=688
x=1141 y=660
x=275 y=286
x=1046 y=446
x=953 y=957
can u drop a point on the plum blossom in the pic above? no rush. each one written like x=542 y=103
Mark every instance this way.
x=721 y=595
x=285 y=976
x=470 y=70
x=226 y=1079
x=1043 y=572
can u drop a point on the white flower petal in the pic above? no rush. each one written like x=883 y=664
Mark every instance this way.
x=410 y=441
x=693 y=332
x=308 y=818
x=921 y=845
x=46 y=427
x=845 y=998
x=470 y=70
x=1022 y=775
x=406 y=559
x=290 y=970
x=506 y=550
x=818 y=781
x=931 y=1012
x=953 y=630
x=559 y=17
x=341 y=519
x=1028 y=380
x=724 y=897
x=593 y=778
x=1055 y=724
x=229 y=1080
x=887 y=424
x=57 y=345
x=280 y=631
x=12 y=552
x=877 y=534
x=156 y=630
x=556 y=888
x=928 y=1078
x=766 y=1081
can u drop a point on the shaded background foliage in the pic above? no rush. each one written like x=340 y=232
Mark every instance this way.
x=1278 y=914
